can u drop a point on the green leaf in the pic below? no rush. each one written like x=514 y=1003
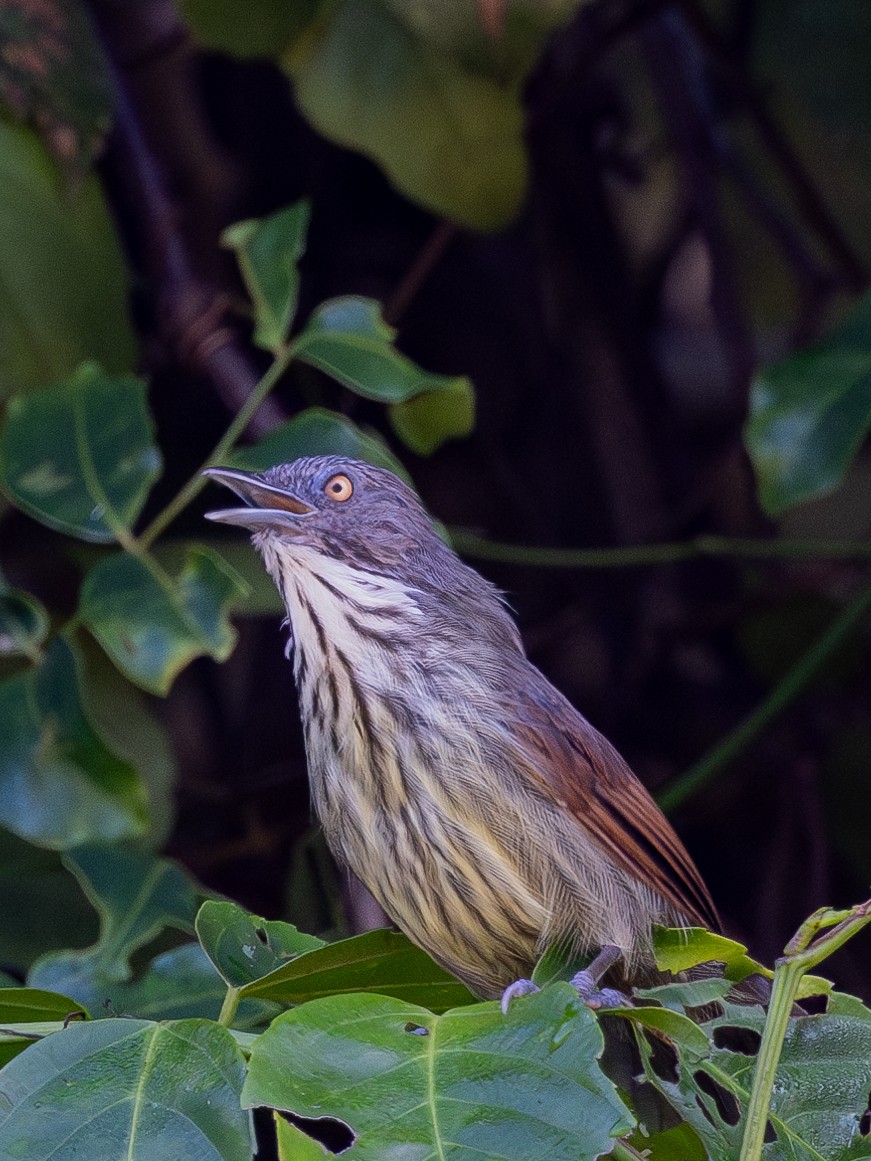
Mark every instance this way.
x=177 y=984
x=120 y=715
x=41 y=904
x=137 y=896
x=470 y=1084
x=127 y=1088
x=80 y=456
x=243 y=947
x=810 y=414
x=317 y=432
x=59 y=784
x=447 y=134
x=52 y=74
x=268 y=250
x=26 y=1013
x=427 y=421
x=256 y=28
x=377 y=961
x=820 y=1092
x=348 y=339
x=152 y=624
x=23 y=624
x=677 y=949
x=680 y=1029
x=63 y=297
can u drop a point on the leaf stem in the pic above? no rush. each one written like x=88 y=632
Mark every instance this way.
x=468 y=543
x=804 y=951
x=195 y=484
x=229 y=1007
x=786 y=691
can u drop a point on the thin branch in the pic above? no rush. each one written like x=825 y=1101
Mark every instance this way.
x=191 y=313
x=784 y=693
x=634 y=556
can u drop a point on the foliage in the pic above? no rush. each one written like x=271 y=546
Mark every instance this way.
x=147 y=1042
x=425 y=90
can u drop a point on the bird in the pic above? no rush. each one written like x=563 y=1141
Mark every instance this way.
x=485 y=814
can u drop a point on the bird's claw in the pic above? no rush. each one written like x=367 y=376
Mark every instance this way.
x=514 y=991
x=587 y=987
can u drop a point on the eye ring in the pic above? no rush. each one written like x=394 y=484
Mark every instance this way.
x=339 y=488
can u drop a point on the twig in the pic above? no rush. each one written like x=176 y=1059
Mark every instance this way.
x=635 y=556
x=423 y=265
x=191 y=314
x=786 y=691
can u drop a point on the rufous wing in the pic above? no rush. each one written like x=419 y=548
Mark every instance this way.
x=581 y=769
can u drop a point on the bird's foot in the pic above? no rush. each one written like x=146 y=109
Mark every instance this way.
x=587 y=987
x=514 y=991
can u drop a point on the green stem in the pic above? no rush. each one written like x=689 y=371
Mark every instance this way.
x=470 y=544
x=197 y=482
x=229 y=1007
x=787 y=977
x=623 y=1151
x=803 y=952
x=787 y=690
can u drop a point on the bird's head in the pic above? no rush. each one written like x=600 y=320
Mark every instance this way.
x=341 y=508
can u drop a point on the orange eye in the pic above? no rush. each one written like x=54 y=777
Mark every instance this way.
x=339 y=488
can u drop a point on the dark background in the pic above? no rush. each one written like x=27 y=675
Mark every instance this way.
x=682 y=229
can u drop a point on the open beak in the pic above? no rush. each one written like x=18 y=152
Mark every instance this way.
x=265 y=505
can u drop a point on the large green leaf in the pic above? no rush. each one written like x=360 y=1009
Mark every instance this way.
x=137 y=896
x=175 y=985
x=470 y=1084
x=317 y=432
x=268 y=250
x=127 y=1089
x=63 y=288
x=80 y=456
x=425 y=422
x=377 y=961
x=810 y=414
x=449 y=136
x=59 y=783
x=152 y=624
x=244 y=947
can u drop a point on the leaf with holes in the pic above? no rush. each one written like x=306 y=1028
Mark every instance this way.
x=268 y=250
x=80 y=456
x=131 y=1088
x=820 y=1092
x=377 y=961
x=471 y=1082
x=244 y=947
x=348 y=339
x=810 y=414
x=153 y=624
x=60 y=785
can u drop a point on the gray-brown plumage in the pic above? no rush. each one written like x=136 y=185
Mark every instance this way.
x=486 y=815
